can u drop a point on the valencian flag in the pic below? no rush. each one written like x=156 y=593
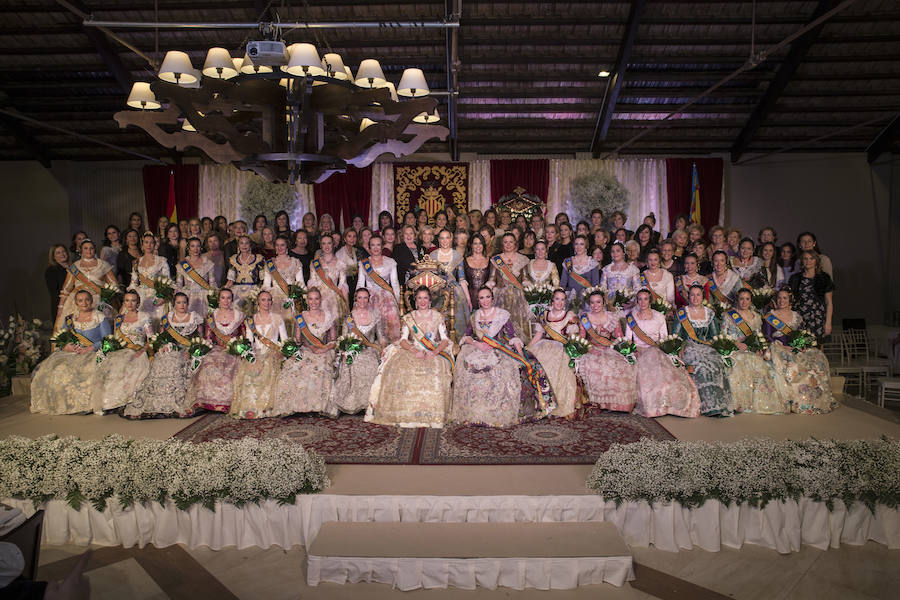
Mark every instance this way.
x=171 y=209
x=695 y=195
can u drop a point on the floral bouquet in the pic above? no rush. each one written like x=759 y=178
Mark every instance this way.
x=671 y=345
x=212 y=298
x=290 y=349
x=626 y=348
x=349 y=346
x=108 y=344
x=725 y=345
x=63 y=338
x=716 y=306
x=251 y=301
x=622 y=297
x=756 y=342
x=576 y=347
x=110 y=295
x=242 y=348
x=164 y=288
x=538 y=296
x=160 y=340
x=297 y=295
x=23 y=344
x=762 y=297
x=801 y=339
x=660 y=305
x=197 y=350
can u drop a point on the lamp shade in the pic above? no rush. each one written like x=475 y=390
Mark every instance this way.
x=249 y=68
x=177 y=68
x=391 y=87
x=186 y=126
x=370 y=74
x=413 y=84
x=303 y=59
x=334 y=66
x=142 y=97
x=366 y=123
x=425 y=118
x=219 y=64
x=237 y=63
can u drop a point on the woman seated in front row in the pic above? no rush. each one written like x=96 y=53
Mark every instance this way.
x=547 y=345
x=353 y=382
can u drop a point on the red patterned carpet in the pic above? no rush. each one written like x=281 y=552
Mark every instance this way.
x=350 y=440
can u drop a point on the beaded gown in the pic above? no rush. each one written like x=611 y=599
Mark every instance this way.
x=196 y=293
x=292 y=273
x=475 y=278
x=410 y=391
x=96 y=274
x=614 y=280
x=385 y=302
x=255 y=382
x=756 y=385
x=449 y=271
x=332 y=302
x=663 y=388
x=142 y=282
x=727 y=286
x=62 y=383
x=164 y=391
x=553 y=358
x=212 y=385
x=492 y=388
x=246 y=278
x=609 y=379
x=121 y=372
x=353 y=383
x=304 y=384
x=710 y=373
x=510 y=297
x=568 y=281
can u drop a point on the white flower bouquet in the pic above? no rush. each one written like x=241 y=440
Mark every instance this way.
x=756 y=342
x=626 y=348
x=212 y=298
x=242 y=348
x=660 y=305
x=715 y=306
x=110 y=295
x=198 y=348
x=109 y=343
x=538 y=296
x=622 y=297
x=725 y=345
x=801 y=339
x=671 y=345
x=576 y=347
x=761 y=297
x=164 y=288
x=348 y=346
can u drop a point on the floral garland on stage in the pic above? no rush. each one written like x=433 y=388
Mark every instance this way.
x=140 y=471
x=755 y=471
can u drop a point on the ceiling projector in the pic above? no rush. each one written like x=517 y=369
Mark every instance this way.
x=268 y=53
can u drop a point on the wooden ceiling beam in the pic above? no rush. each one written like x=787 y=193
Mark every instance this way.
x=883 y=141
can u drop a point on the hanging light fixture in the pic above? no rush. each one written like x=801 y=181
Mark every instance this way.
x=219 y=64
x=177 y=68
x=412 y=84
x=425 y=117
x=142 y=97
x=370 y=74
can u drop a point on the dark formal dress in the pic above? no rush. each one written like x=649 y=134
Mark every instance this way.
x=405 y=257
x=124 y=267
x=305 y=260
x=170 y=253
x=557 y=253
x=809 y=299
x=55 y=276
x=475 y=278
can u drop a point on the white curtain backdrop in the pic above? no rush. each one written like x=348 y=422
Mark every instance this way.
x=480 y=185
x=382 y=191
x=222 y=186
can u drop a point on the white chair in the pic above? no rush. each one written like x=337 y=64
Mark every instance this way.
x=888 y=390
x=858 y=353
x=852 y=374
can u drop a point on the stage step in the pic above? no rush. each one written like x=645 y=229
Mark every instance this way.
x=409 y=556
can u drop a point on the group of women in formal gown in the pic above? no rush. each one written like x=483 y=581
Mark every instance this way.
x=496 y=361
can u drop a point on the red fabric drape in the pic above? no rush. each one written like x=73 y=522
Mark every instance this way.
x=156 y=191
x=531 y=174
x=678 y=188
x=344 y=195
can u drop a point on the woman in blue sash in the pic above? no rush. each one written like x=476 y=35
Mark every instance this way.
x=806 y=371
x=145 y=270
x=279 y=273
x=328 y=275
x=506 y=281
x=755 y=384
x=88 y=273
x=304 y=384
x=547 y=346
x=609 y=379
x=120 y=373
x=691 y=276
x=697 y=325
x=495 y=382
x=378 y=274
x=450 y=260
x=354 y=381
x=163 y=393
x=579 y=271
x=244 y=273
x=723 y=283
x=413 y=385
x=255 y=381
x=212 y=385
x=63 y=382
x=195 y=277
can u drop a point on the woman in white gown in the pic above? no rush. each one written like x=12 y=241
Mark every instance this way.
x=619 y=275
x=212 y=385
x=121 y=372
x=656 y=279
x=279 y=274
x=146 y=269
x=254 y=384
x=327 y=274
x=195 y=277
x=354 y=381
x=378 y=274
x=609 y=379
x=88 y=273
x=547 y=345
x=413 y=385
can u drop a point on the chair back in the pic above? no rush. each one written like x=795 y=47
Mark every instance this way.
x=27 y=537
x=856 y=344
x=834 y=352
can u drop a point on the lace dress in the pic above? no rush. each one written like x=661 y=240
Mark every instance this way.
x=63 y=382
x=142 y=282
x=255 y=383
x=332 y=302
x=492 y=388
x=290 y=274
x=212 y=385
x=757 y=387
x=750 y=272
x=164 y=391
x=555 y=361
x=806 y=372
x=385 y=302
x=683 y=285
x=728 y=287
x=449 y=270
x=304 y=384
x=475 y=278
x=664 y=287
x=97 y=274
x=510 y=297
x=589 y=271
x=353 y=384
x=710 y=373
x=121 y=372
x=663 y=388
x=614 y=280
x=410 y=391
x=244 y=278
x=609 y=379
x=196 y=293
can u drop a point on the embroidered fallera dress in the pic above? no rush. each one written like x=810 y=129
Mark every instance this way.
x=245 y=277
x=449 y=271
x=510 y=297
x=196 y=293
x=609 y=379
x=664 y=287
x=710 y=373
x=142 y=282
x=385 y=302
x=553 y=358
x=212 y=385
x=290 y=274
x=304 y=384
x=548 y=275
x=332 y=302
x=96 y=274
x=255 y=383
x=757 y=387
x=589 y=271
x=614 y=280
x=121 y=372
x=728 y=286
x=353 y=384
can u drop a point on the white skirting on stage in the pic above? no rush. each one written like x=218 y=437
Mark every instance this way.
x=782 y=526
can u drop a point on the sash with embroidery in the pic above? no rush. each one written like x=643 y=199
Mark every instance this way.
x=276 y=276
x=510 y=277
x=739 y=321
x=593 y=335
x=636 y=329
x=646 y=283
x=496 y=344
x=320 y=272
x=420 y=337
x=578 y=278
x=129 y=343
x=552 y=333
x=142 y=279
x=307 y=333
x=84 y=279
x=82 y=339
x=688 y=326
x=372 y=274
x=221 y=338
x=194 y=275
x=351 y=327
x=715 y=291
x=778 y=324
x=251 y=324
x=167 y=327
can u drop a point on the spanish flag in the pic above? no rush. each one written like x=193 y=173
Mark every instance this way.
x=695 y=195
x=171 y=209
